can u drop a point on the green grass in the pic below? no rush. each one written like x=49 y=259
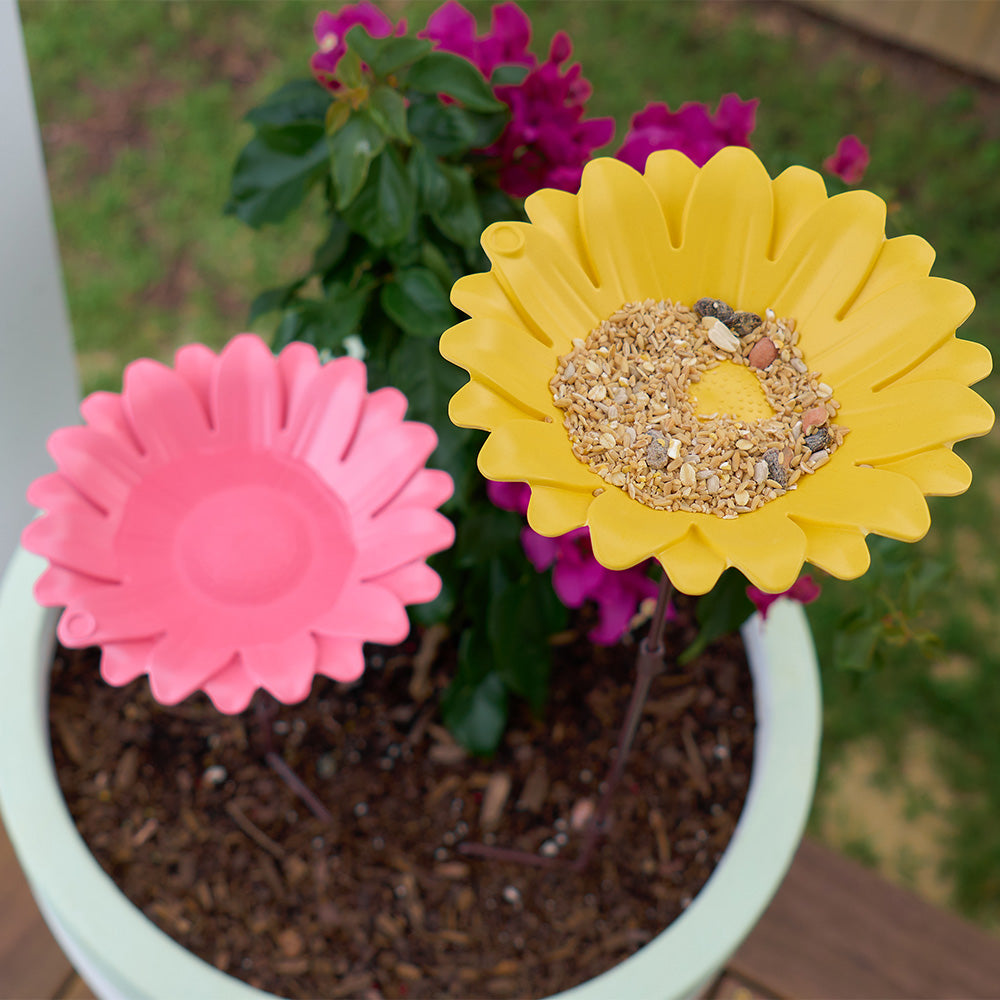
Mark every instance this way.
x=154 y=93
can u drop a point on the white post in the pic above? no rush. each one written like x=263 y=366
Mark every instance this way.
x=39 y=390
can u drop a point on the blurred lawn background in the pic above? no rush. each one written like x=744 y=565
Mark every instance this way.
x=141 y=105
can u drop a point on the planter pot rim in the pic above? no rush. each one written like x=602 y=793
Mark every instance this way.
x=92 y=917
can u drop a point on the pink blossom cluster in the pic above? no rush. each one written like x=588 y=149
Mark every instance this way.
x=577 y=576
x=849 y=160
x=331 y=29
x=547 y=140
x=691 y=129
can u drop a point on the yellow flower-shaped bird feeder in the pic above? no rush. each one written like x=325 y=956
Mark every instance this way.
x=590 y=304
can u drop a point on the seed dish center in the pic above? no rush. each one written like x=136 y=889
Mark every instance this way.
x=700 y=409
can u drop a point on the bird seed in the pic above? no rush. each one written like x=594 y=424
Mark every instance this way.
x=629 y=414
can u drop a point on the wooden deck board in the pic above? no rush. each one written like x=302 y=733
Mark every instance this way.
x=835 y=929
x=31 y=963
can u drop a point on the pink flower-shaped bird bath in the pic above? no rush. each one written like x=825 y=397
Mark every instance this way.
x=239 y=521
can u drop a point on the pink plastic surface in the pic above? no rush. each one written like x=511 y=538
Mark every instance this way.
x=239 y=521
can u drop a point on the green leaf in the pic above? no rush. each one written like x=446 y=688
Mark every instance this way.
x=397 y=52
x=721 y=611
x=474 y=706
x=330 y=252
x=349 y=68
x=267 y=185
x=447 y=129
x=298 y=101
x=520 y=619
x=509 y=75
x=446 y=73
x=295 y=139
x=386 y=55
x=352 y=150
x=388 y=110
x=435 y=261
x=428 y=178
x=325 y=322
x=359 y=41
x=273 y=299
x=416 y=300
x=459 y=218
x=384 y=208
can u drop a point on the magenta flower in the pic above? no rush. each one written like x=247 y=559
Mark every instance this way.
x=849 y=160
x=576 y=575
x=547 y=141
x=239 y=521
x=453 y=29
x=805 y=590
x=691 y=129
x=331 y=29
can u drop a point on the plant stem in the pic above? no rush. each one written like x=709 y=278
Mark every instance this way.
x=649 y=664
x=266 y=709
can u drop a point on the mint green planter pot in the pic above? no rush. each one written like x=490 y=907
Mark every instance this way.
x=124 y=956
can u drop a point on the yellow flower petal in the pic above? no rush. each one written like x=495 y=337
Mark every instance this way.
x=890 y=335
x=904 y=419
x=557 y=213
x=765 y=546
x=670 y=174
x=546 y=282
x=481 y=295
x=553 y=511
x=624 y=532
x=624 y=231
x=937 y=473
x=505 y=359
x=474 y=405
x=825 y=263
x=842 y=552
x=529 y=451
x=727 y=230
x=867 y=499
x=798 y=193
x=692 y=565
x=957 y=360
x=903 y=259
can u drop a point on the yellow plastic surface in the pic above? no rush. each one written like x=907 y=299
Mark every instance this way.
x=871 y=321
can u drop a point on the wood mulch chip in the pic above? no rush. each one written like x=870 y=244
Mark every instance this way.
x=181 y=810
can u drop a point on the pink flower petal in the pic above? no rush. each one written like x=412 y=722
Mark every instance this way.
x=849 y=161
x=284 y=669
x=195 y=363
x=247 y=394
x=103 y=468
x=414 y=583
x=163 y=411
x=367 y=611
x=324 y=416
x=380 y=464
x=232 y=688
x=341 y=659
x=399 y=536
x=427 y=488
x=84 y=539
x=123 y=662
x=541 y=551
x=105 y=412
